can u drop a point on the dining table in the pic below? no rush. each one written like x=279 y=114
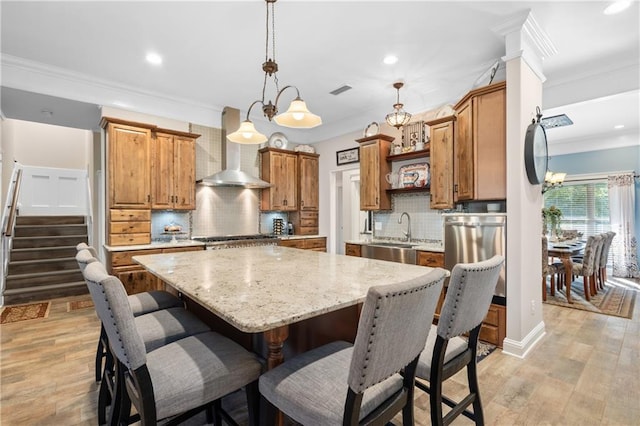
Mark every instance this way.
x=267 y=289
x=564 y=250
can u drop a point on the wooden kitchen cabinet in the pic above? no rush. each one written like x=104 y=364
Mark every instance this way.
x=479 y=171
x=128 y=165
x=308 y=176
x=433 y=259
x=315 y=244
x=353 y=250
x=134 y=277
x=129 y=227
x=494 y=326
x=441 y=135
x=373 y=170
x=280 y=169
x=173 y=171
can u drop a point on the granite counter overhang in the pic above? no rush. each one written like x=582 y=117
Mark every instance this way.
x=156 y=245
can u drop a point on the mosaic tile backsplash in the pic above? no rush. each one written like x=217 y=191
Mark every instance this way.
x=426 y=224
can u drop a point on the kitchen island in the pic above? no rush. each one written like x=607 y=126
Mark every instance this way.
x=268 y=289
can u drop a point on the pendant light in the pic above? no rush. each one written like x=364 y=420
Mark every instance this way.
x=398 y=117
x=297 y=116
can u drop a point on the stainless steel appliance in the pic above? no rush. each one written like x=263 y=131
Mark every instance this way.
x=475 y=237
x=234 y=241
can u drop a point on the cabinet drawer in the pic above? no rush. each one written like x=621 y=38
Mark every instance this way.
x=353 y=250
x=129 y=239
x=431 y=259
x=492 y=317
x=123 y=258
x=314 y=243
x=124 y=215
x=308 y=222
x=308 y=214
x=291 y=243
x=308 y=230
x=181 y=249
x=129 y=227
x=489 y=333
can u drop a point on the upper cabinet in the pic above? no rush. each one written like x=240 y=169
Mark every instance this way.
x=129 y=166
x=280 y=169
x=173 y=171
x=308 y=176
x=373 y=171
x=441 y=135
x=479 y=166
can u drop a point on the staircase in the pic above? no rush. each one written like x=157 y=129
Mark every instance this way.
x=42 y=262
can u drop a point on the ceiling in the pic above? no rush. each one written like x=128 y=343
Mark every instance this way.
x=69 y=58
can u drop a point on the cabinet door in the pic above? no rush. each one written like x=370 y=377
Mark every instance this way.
x=463 y=151
x=184 y=173
x=280 y=169
x=162 y=172
x=289 y=180
x=369 y=177
x=442 y=165
x=490 y=129
x=136 y=280
x=308 y=182
x=129 y=166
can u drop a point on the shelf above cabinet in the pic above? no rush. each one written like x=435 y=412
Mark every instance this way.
x=406 y=190
x=424 y=153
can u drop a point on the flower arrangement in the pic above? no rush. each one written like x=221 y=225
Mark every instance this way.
x=551 y=215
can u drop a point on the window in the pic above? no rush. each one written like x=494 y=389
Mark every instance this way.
x=584 y=205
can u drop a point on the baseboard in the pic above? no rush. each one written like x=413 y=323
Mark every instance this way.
x=521 y=348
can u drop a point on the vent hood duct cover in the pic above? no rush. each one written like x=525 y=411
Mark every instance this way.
x=231 y=175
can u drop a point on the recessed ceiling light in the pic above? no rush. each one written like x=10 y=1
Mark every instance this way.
x=154 y=58
x=616 y=7
x=390 y=59
x=618 y=126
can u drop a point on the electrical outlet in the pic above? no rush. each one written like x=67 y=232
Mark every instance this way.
x=378 y=226
x=533 y=307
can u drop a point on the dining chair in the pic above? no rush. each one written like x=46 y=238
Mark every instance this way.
x=604 y=257
x=446 y=352
x=141 y=303
x=176 y=380
x=587 y=267
x=341 y=383
x=156 y=329
x=553 y=270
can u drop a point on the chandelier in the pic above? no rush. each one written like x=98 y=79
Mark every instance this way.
x=297 y=116
x=552 y=180
x=398 y=117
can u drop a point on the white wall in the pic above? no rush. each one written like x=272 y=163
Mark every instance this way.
x=44 y=145
x=138 y=117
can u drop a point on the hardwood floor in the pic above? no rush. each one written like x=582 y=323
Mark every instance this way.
x=585 y=371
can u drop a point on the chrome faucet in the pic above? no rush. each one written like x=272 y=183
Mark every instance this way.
x=408 y=233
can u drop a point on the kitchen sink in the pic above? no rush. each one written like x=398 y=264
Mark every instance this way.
x=393 y=252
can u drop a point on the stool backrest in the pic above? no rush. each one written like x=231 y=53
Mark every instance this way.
x=115 y=313
x=85 y=246
x=84 y=257
x=393 y=328
x=469 y=295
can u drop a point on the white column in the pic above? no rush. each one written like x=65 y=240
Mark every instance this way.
x=526 y=45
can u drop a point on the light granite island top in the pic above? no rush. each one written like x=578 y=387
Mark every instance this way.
x=264 y=289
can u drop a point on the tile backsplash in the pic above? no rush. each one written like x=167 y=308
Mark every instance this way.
x=426 y=224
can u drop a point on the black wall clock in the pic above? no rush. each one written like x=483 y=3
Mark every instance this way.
x=535 y=151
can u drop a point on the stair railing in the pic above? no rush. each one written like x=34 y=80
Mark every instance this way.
x=9 y=220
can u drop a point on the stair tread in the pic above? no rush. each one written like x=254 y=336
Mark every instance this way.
x=42 y=274
x=51 y=259
x=45 y=287
x=26 y=249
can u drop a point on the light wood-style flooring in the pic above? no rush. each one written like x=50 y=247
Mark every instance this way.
x=585 y=371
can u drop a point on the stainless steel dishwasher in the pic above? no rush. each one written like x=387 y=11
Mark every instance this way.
x=471 y=238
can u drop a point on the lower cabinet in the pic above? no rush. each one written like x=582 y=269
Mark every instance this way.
x=134 y=277
x=353 y=250
x=313 y=243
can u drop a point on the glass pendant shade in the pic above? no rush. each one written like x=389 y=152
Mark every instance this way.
x=398 y=117
x=298 y=116
x=247 y=134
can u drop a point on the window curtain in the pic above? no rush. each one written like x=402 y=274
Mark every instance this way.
x=621 y=208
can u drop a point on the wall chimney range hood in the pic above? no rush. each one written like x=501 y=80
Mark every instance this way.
x=231 y=175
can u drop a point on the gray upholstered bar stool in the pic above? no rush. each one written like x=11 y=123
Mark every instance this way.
x=178 y=379
x=340 y=383
x=156 y=329
x=466 y=304
x=141 y=303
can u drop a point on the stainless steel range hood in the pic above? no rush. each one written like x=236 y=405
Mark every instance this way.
x=231 y=175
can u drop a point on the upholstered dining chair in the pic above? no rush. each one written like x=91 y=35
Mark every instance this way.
x=553 y=270
x=466 y=304
x=141 y=303
x=156 y=329
x=587 y=267
x=604 y=256
x=340 y=383
x=176 y=380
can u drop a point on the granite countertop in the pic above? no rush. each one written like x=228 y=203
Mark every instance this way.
x=435 y=246
x=272 y=286
x=156 y=245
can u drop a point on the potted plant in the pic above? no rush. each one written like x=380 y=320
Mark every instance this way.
x=552 y=216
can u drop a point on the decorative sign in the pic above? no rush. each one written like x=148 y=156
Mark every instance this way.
x=348 y=156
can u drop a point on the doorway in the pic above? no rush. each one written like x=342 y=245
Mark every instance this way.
x=346 y=219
